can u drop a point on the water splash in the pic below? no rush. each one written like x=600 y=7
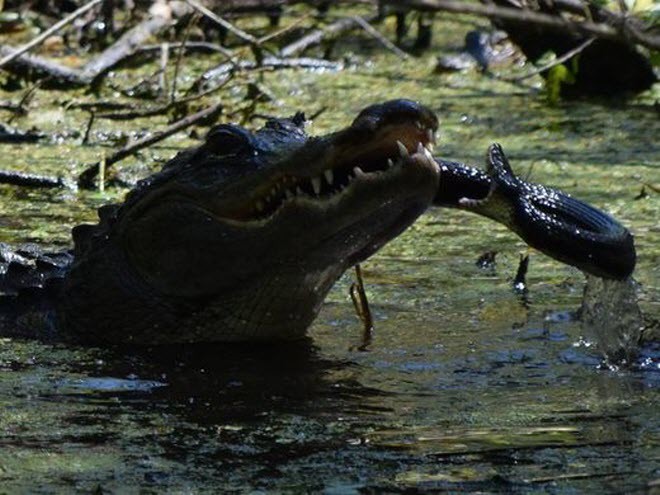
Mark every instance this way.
x=612 y=319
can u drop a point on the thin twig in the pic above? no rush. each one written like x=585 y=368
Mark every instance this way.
x=25 y=101
x=48 y=32
x=284 y=30
x=164 y=60
x=88 y=129
x=361 y=304
x=247 y=37
x=136 y=113
x=87 y=178
x=379 y=37
x=198 y=46
x=180 y=52
x=558 y=61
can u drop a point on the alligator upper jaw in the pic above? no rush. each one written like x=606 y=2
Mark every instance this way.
x=337 y=164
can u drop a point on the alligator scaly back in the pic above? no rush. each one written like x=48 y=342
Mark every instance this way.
x=29 y=281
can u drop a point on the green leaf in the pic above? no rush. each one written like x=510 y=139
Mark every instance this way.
x=557 y=75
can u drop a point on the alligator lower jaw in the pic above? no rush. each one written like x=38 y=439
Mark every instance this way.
x=336 y=184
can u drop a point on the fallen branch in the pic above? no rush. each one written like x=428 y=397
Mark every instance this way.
x=226 y=69
x=247 y=37
x=29 y=180
x=127 y=44
x=87 y=178
x=625 y=30
x=123 y=48
x=48 y=32
x=27 y=64
x=318 y=35
x=379 y=37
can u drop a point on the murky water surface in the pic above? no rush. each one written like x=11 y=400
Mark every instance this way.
x=466 y=387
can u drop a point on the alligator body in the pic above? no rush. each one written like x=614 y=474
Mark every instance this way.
x=241 y=238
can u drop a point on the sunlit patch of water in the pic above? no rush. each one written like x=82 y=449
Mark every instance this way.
x=611 y=317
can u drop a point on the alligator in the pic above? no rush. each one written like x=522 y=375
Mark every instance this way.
x=242 y=237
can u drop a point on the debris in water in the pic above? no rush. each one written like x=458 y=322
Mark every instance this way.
x=359 y=297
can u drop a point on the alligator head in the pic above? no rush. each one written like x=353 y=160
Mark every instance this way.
x=242 y=237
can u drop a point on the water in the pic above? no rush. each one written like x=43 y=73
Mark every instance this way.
x=465 y=387
x=611 y=315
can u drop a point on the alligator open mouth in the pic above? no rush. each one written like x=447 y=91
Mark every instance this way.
x=388 y=151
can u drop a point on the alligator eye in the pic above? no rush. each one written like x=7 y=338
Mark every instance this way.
x=228 y=139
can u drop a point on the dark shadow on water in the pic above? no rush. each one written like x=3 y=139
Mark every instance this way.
x=216 y=383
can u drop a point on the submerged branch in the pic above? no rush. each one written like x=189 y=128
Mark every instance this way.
x=30 y=180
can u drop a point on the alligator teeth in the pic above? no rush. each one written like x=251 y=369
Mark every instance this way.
x=420 y=148
x=402 y=149
x=329 y=176
x=390 y=163
x=288 y=194
x=419 y=124
x=430 y=136
x=316 y=184
x=299 y=191
x=358 y=171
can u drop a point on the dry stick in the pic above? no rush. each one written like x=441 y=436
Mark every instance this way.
x=198 y=46
x=164 y=60
x=87 y=177
x=548 y=66
x=284 y=30
x=27 y=63
x=318 y=35
x=626 y=32
x=247 y=37
x=180 y=52
x=233 y=63
x=384 y=41
x=125 y=46
x=268 y=63
x=25 y=101
x=361 y=303
x=162 y=109
x=88 y=129
x=53 y=29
